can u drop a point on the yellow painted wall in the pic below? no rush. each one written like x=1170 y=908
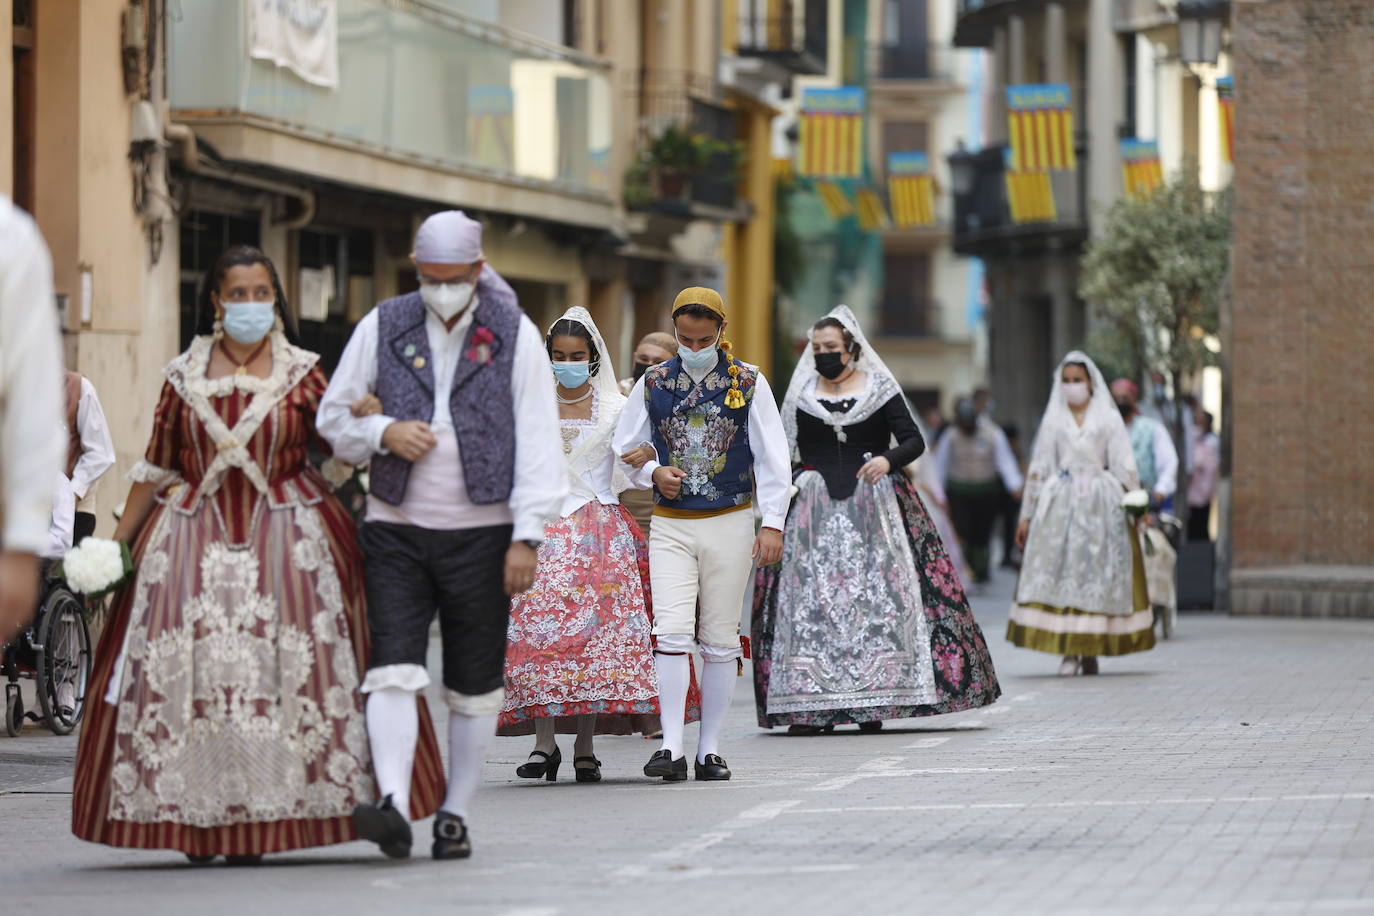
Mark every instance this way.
x=748 y=246
x=6 y=100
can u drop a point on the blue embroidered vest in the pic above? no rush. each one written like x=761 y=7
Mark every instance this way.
x=480 y=402
x=695 y=431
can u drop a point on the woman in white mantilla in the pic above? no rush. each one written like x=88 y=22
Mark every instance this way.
x=1082 y=588
x=865 y=618
x=579 y=656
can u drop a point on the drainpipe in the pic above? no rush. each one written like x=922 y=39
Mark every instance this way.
x=183 y=139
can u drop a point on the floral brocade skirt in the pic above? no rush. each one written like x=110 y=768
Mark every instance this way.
x=579 y=640
x=865 y=618
x=223 y=713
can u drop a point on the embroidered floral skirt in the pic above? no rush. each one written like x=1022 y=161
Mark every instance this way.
x=1082 y=589
x=865 y=618
x=579 y=640
x=223 y=715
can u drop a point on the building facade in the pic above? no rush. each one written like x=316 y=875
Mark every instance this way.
x=146 y=136
x=1300 y=337
x=1120 y=60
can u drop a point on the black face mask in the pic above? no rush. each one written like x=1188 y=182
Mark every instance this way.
x=640 y=369
x=830 y=365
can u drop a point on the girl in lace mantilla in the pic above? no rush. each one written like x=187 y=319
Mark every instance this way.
x=1082 y=588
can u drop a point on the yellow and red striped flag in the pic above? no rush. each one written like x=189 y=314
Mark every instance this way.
x=1040 y=124
x=1226 y=104
x=1031 y=197
x=832 y=133
x=910 y=190
x=872 y=215
x=837 y=204
x=1141 y=170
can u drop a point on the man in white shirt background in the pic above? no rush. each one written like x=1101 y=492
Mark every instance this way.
x=978 y=469
x=459 y=494
x=30 y=400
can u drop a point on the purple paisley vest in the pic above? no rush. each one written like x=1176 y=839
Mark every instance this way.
x=480 y=401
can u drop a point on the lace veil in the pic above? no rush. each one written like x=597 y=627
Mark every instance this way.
x=591 y=450
x=801 y=391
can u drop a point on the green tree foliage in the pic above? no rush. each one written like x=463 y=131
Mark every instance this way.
x=1156 y=277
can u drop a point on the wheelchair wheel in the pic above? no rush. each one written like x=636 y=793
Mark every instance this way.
x=14 y=710
x=64 y=661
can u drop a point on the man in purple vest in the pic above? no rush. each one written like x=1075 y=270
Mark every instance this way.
x=718 y=439
x=460 y=492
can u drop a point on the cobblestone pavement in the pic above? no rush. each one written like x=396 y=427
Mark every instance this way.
x=1231 y=771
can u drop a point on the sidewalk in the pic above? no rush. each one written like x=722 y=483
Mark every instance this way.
x=1230 y=771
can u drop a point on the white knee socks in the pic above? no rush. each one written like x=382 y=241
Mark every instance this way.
x=393 y=725
x=468 y=740
x=674 y=676
x=717 y=686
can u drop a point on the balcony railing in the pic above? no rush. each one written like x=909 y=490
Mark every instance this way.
x=982 y=217
x=669 y=99
x=905 y=315
x=415 y=82
x=792 y=32
x=911 y=62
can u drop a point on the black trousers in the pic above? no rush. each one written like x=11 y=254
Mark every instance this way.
x=973 y=509
x=1197 y=522
x=413 y=573
x=82 y=527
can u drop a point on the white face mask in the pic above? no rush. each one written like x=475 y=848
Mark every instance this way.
x=447 y=299
x=1076 y=393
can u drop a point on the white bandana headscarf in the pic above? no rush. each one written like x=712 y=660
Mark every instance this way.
x=591 y=451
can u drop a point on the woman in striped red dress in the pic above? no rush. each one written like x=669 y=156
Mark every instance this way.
x=225 y=717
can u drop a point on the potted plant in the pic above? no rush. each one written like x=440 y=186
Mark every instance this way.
x=675 y=155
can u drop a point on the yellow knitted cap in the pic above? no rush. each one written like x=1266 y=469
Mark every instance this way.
x=703 y=296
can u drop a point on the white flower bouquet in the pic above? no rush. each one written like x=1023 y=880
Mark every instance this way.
x=1136 y=503
x=97 y=566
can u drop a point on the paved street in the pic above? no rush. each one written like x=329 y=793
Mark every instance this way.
x=1229 y=771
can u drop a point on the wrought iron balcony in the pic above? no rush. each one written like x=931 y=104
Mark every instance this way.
x=983 y=224
x=975 y=20
x=680 y=101
x=794 y=33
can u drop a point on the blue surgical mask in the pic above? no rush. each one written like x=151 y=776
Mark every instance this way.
x=249 y=322
x=697 y=360
x=572 y=375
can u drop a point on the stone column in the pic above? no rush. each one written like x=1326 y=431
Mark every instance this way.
x=997 y=131
x=1016 y=46
x=1106 y=76
x=1056 y=43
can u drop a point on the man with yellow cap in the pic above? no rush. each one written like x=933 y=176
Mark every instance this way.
x=719 y=439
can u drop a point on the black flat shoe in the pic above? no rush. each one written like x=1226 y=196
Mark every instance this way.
x=200 y=860
x=713 y=769
x=810 y=729
x=541 y=769
x=870 y=727
x=587 y=774
x=662 y=764
x=242 y=861
x=385 y=826
x=450 y=837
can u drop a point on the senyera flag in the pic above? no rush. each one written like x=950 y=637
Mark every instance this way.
x=832 y=133
x=910 y=189
x=1040 y=123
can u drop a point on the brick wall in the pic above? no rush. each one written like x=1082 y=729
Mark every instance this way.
x=1303 y=307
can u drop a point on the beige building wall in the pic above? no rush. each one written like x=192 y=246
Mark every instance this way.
x=83 y=205
x=6 y=97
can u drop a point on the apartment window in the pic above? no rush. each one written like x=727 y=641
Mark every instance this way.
x=571 y=34
x=904 y=137
x=908 y=310
x=906 y=40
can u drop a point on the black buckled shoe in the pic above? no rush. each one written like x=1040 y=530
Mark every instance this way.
x=663 y=765
x=587 y=773
x=385 y=826
x=713 y=769
x=450 y=837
